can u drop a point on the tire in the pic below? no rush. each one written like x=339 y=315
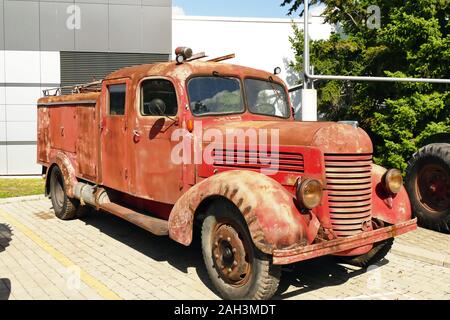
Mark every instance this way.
x=375 y=255
x=252 y=276
x=428 y=185
x=65 y=208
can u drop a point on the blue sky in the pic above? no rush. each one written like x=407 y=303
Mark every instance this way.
x=232 y=8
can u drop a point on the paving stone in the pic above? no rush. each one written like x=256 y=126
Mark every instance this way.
x=135 y=265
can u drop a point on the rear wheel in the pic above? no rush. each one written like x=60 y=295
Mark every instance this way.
x=428 y=185
x=237 y=269
x=376 y=254
x=65 y=208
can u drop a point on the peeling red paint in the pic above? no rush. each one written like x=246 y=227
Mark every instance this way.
x=73 y=133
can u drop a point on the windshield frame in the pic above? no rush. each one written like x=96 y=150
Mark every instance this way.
x=244 y=95
x=210 y=75
x=269 y=80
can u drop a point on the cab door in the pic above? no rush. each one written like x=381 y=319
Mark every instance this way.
x=114 y=133
x=156 y=176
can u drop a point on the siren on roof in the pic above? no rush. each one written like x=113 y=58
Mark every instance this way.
x=182 y=54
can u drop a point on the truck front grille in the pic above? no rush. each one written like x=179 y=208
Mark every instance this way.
x=283 y=161
x=349 y=185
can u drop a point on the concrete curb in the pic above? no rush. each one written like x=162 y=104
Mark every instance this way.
x=435 y=258
x=22 y=199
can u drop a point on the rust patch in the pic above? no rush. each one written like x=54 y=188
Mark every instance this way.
x=301 y=253
x=69 y=98
x=68 y=172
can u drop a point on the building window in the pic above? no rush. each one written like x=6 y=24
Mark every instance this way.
x=117 y=99
x=158 y=98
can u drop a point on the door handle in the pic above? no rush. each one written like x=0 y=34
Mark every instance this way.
x=136 y=136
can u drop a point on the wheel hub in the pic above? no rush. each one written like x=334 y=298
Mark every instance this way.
x=229 y=255
x=433 y=187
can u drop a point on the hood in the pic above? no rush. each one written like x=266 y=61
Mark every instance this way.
x=330 y=137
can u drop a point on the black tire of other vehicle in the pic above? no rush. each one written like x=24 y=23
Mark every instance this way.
x=65 y=208
x=224 y=230
x=428 y=185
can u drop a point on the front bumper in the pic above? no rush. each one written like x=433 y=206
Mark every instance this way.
x=287 y=256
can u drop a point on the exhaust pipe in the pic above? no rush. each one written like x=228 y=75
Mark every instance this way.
x=92 y=195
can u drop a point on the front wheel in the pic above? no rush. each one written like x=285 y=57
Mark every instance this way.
x=237 y=269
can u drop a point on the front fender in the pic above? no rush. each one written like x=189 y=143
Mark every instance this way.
x=268 y=208
x=65 y=164
x=385 y=207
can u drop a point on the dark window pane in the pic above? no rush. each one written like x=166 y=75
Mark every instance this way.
x=215 y=95
x=267 y=98
x=158 y=98
x=117 y=99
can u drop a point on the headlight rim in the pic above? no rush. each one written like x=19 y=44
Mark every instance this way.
x=299 y=192
x=386 y=177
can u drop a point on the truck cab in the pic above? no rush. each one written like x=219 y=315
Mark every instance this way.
x=186 y=143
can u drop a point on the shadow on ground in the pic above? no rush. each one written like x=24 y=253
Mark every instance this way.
x=5 y=239
x=305 y=276
x=154 y=247
x=315 y=274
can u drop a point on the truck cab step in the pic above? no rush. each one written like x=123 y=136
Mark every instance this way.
x=154 y=225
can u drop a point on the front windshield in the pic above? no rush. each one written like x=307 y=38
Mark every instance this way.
x=267 y=98
x=215 y=95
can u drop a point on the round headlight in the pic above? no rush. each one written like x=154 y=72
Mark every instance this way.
x=393 y=180
x=180 y=59
x=309 y=193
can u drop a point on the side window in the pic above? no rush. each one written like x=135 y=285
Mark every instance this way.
x=158 y=98
x=117 y=99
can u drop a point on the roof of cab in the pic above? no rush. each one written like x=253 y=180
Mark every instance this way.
x=185 y=70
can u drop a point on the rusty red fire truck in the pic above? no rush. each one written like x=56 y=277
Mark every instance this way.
x=306 y=189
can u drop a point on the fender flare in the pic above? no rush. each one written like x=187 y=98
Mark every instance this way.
x=68 y=171
x=399 y=209
x=268 y=208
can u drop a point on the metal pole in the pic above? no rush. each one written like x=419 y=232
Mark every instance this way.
x=308 y=77
x=376 y=79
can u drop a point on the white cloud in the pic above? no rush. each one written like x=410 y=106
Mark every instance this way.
x=178 y=11
x=317 y=10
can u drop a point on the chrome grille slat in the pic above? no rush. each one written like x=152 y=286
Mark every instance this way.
x=348 y=216
x=251 y=160
x=353 y=204
x=349 y=187
x=358 y=188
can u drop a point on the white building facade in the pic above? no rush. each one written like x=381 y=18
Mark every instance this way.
x=38 y=51
x=48 y=43
x=259 y=43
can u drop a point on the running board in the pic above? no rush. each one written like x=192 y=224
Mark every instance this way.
x=156 y=226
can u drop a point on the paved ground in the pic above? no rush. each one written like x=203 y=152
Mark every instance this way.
x=425 y=245
x=103 y=257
